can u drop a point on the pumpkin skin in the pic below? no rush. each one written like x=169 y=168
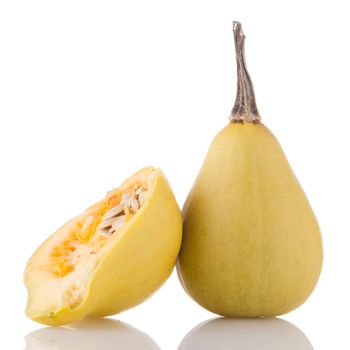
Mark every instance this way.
x=111 y=274
x=251 y=243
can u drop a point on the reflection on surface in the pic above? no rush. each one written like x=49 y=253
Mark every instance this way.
x=101 y=334
x=246 y=334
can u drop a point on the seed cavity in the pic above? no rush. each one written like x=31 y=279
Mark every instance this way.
x=115 y=218
x=90 y=233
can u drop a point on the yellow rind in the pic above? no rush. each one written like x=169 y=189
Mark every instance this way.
x=251 y=244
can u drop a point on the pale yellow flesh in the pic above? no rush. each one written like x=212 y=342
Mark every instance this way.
x=131 y=266
x=251 y=245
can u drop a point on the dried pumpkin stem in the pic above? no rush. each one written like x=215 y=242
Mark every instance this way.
x=244 y=110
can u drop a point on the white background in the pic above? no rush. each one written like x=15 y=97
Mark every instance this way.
x=91 y=91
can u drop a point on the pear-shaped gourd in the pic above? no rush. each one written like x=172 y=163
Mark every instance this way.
x=251 y=245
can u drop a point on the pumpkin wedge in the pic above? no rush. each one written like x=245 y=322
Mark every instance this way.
x=111 y=257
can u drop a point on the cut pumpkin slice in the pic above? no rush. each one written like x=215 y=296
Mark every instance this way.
x=111 y=257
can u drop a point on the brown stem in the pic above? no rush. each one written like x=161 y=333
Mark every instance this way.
x=244 y=110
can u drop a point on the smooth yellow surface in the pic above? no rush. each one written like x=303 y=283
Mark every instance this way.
x=251 y=244
x=129 y=269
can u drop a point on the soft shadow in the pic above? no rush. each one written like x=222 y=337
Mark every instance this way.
x=245 y=334
x=103 y=334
